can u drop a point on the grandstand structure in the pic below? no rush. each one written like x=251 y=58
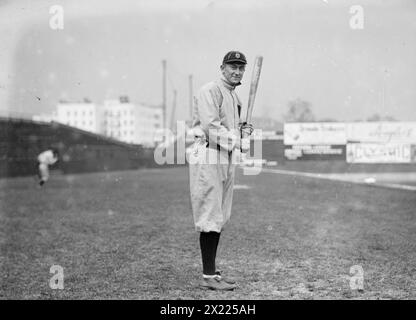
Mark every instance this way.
x=21 y=140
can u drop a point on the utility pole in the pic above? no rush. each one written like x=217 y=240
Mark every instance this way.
x=164 y=93
x=191 y=96
x=172 y=116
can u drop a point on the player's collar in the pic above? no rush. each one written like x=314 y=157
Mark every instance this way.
x=229 y=86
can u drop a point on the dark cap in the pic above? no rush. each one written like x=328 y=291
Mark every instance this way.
x=234 y=57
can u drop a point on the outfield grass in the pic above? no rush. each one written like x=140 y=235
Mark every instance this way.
x=130 y=235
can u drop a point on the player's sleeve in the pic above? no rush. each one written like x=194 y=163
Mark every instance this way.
x=209 y=101
x=41 y=157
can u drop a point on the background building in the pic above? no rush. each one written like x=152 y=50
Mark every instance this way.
x=120 y=119
x=45 y=117
x=149 y=123
x=131 y=123
x=81 y=115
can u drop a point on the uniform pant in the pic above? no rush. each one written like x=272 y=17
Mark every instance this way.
x=211 y=189
x=43 y=171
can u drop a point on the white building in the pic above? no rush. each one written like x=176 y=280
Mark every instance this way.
x=150 y=121
x=131 y=123
x=81 y=115
x=45 y=117
x=118 y=119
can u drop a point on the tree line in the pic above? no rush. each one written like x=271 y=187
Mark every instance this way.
x=301 y=111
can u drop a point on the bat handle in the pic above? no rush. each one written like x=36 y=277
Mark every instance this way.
x=244 y=134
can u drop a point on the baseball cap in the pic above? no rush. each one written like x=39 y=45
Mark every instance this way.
x=234 y=57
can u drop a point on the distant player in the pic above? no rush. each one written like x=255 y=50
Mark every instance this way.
x=46 y=159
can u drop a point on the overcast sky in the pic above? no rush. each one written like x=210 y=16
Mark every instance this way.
x=112 y=48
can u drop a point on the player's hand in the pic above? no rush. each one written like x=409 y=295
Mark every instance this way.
x=245 y=145
x=237 y=143
x=246 y=129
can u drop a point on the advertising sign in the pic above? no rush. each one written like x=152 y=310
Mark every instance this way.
x=315 y=152
x=378 y=153
x=381 y=132
x=413 y=152
x=308 y=133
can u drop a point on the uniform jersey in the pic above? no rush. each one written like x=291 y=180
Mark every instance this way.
x=47 y=157
x=217 y=112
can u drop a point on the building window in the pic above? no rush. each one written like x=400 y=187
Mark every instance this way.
x=68 y=113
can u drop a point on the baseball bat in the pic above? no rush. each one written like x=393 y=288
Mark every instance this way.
x=253 y=87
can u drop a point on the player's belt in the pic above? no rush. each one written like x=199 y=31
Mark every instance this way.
x=213 y=146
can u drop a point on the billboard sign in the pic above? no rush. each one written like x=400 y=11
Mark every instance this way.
x=413 y=153
x=309 y=133
x=315 y=152
x=378 y=153
x=381 y=132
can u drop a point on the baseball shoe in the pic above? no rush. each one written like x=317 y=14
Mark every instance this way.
x=225 y=279
x=41 y=182
x=216 y=283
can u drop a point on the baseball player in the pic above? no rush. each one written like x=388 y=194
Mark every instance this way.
x=217 y=130
x=45 y=159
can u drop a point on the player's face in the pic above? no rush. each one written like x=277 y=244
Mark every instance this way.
x=234 y=72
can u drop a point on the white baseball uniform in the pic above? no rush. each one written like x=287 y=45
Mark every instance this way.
x=215 y=122
x=45 y=159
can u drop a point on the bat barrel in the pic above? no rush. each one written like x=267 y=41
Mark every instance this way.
x=253 y=86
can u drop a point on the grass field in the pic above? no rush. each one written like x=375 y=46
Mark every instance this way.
x=130 y=235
